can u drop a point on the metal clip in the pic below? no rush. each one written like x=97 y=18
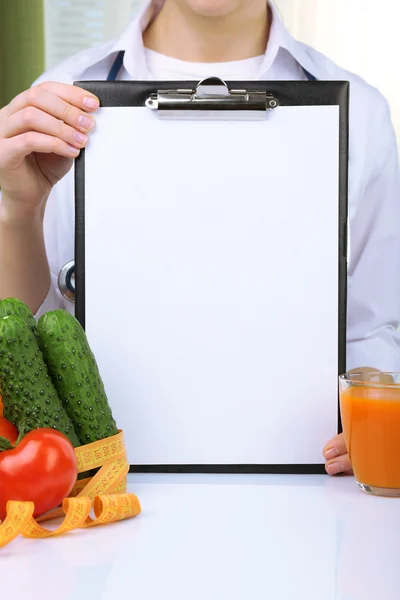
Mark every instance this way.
x=212 y=99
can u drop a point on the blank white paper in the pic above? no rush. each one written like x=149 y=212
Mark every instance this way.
x=212 y=283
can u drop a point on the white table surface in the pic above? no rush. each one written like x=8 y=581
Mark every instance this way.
x=222 y=537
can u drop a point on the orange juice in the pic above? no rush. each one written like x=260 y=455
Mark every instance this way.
x=371 y=425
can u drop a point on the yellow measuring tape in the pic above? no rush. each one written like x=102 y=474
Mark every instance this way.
x=105 y=493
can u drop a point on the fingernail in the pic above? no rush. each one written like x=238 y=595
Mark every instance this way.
x=79 y=137
x=332 y=453
x=73 y=150
x=90 y=102
x=85 y=122
x=335 y=469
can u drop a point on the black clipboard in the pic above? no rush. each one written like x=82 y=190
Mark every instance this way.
x=145 y=93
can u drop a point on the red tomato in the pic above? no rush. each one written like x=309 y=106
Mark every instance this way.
x=8 y=430
x=42 y=468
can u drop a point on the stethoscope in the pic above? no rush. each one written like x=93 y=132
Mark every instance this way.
x=66 y=277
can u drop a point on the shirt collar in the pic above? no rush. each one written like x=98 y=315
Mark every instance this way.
x=135 y=61
x=131 y=41
x=281 y=38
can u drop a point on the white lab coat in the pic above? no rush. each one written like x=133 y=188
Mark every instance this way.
x=374 y=186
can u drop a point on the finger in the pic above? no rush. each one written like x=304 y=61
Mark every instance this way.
x=369 y=374
x=33 y=119
x=339 y=465
x=335 y=447
x=386 y=378
x=72 y=94
x=14 y=150
x=41 y=98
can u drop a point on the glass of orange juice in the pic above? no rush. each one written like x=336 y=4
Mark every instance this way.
x=370 y=409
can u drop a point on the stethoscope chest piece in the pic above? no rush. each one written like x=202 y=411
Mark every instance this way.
x=66 y=281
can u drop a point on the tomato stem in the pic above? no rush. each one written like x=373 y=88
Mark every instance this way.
x=23 y=431
x=5 y=444
x=20 y=436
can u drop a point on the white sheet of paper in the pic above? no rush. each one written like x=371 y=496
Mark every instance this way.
x=212 y=283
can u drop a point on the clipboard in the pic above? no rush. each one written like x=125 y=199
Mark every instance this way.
x=211 y=269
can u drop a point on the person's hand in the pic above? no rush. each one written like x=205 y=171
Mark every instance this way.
x=41 y=131
x=336 y=456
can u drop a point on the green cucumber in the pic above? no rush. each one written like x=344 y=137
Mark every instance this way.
x=29 y=396
x=15 y=307
x=75 y=374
